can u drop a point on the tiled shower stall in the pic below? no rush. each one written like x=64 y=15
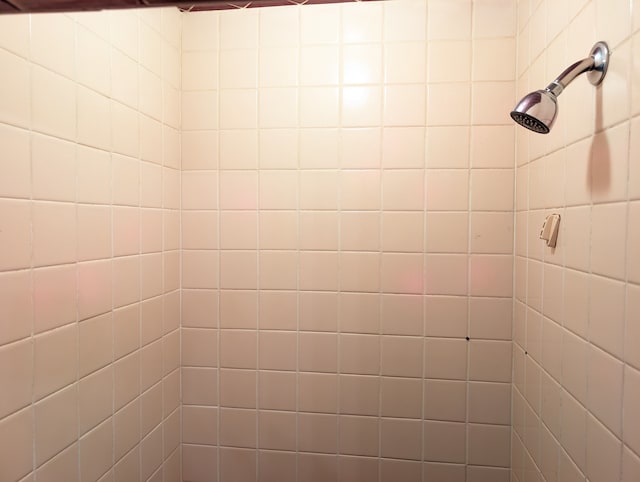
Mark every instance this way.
x=301 y=244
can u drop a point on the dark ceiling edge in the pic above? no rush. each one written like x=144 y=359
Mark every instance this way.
x=238 y=4
x=6 y=7
x=42 y=6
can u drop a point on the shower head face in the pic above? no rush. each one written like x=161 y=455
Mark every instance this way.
x=536 y=111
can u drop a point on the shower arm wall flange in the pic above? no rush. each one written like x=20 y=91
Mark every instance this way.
x=595 y=66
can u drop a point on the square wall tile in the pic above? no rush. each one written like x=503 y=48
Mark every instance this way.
x=279 y=26
x=238 y=349
x=445 y=400
x=200 y=347
x=20 y=356
x=277 y=390
x=55 y=360
x=360 y=190
x=318 y=230
x=319 y=148
x=319 y=25
x=277 y=310
x=448 y=147
x=237 y=68
x=277 y=351
x=360 y=148
x=490 y=361
x=361 y=106
x=401 y=397
x=318 y=392
x=446 y=316
x=238 y=149
x=360 y=24
x=238 y=110
x=354 y=466
x=603 y=446
x=238 y=308
x=277 y=465
x=448 y=104
x=358 y=394
x=318 y=271
x=16 y=217
x=402 y=231
x=606 y=316
x=199 y=386
x=440 y=54
x=319 y=107
x=238 y=190
x=405 y=22
x=446 y=274
x=444 y=442
x=402 y=273
x=16 y=106
x=238 y=230
x=405 y=62
x=401 y=356
x=199 y=461
x=633 y=326
x=445 y=358
x=15 y=170
x=401 y=439
x=481 y=452
x=319 y=65
x=278 y=66
x=606 y=373
x=317 y=432
x=17 y=458
x=278 y=107
x=361 y=64
x=238 y=427
x=403 y=147
x=318 y=311
x=447 y=232
x=447 y=190
x=492 y=190
x=404 y=105
x=492 y=233
x=360 y=354
x=318 y=190
x=359 y=313
x=631 y=395
x=54 y=228
x=278 y=190
x=449 y=20
x=358 y=435
x=238 y=388
x=61 y=430
x=491 y=275
x=401 y=315
x=278 y=229
x=490 y=403
x=277 y=430
x=359 y=272
x=360 y=231
x=238 y=30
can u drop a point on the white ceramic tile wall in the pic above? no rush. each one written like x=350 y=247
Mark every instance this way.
x=89 y=270
x=347 y=223
x=575 y=402
x=335 y=250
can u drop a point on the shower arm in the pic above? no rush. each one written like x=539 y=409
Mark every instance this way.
x=565 y=78
x=595 y=65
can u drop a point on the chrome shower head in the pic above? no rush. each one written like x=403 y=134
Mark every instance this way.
x=537 y=110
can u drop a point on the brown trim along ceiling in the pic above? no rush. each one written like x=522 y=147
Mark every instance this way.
x=24 y=6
